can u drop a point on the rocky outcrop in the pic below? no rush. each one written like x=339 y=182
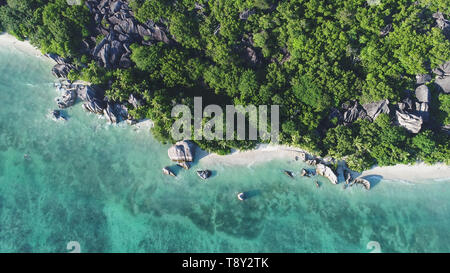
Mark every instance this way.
x=411 y=122
x=67 y=99
x=182 y=151
x=95 y=106
x=376 y=108
x=327 y=172
x=443 y=77
x=61 y=71
x=114 y=20
x=353 y=111
x=442 y=23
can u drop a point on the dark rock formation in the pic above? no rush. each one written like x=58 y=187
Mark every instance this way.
x=57 y=115
x=204 y=174
x=110 y=113
x=61 y=71
x=114 y=20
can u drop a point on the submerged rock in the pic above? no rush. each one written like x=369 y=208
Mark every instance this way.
x=182 y=151
x=327 y=172
x=57 y=115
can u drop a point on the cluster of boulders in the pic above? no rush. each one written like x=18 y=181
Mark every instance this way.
x=115 y=22
x=352 y=110
x=182 y=153
x=442 y=23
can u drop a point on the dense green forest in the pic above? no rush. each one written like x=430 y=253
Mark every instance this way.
x=308 y=56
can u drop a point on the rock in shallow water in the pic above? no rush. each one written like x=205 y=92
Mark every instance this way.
x=326 y=171
x=67 y=99
x=204 y=174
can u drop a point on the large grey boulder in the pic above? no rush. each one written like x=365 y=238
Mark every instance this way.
x=412 y=123
x=327 y=172
x=423 y=94
x=182 y=151
x=442 y=70
x=376 y=108
x=443 y=83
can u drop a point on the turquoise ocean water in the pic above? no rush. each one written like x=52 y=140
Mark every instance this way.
x=101 y=185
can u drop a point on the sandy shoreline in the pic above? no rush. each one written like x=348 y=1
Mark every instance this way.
x=265 y=153
x=23 y=46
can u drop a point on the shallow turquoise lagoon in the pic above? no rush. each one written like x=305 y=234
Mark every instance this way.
x=101 y=185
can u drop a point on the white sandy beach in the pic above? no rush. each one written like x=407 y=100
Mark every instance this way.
x=264 y=153
x=24 y=46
